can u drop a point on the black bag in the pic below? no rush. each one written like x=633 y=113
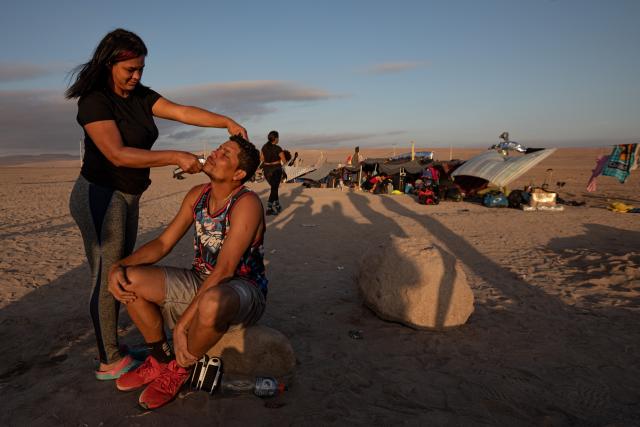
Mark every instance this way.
x=206 y=374
x=454 y=194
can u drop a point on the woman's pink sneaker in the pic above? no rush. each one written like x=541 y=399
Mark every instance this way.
x=123 y=366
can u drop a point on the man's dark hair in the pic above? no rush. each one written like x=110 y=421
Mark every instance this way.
x=248 y=158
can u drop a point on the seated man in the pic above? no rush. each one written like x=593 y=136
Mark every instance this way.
x=226 y=286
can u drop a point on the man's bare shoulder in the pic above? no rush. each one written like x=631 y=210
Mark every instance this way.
x=248 y=205
x=250 y=200
x=192 y=195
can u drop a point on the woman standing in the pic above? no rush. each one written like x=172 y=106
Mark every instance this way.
x=116 y=112
x=273 y=158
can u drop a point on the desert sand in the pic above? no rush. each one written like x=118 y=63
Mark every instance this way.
x=554 y=339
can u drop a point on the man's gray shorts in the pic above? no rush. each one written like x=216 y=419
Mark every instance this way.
x=182 y=285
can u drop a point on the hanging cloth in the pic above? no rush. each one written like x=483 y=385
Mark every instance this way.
x=621 y=160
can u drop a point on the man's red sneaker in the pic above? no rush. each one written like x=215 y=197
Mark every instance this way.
x=143 y=375
x=165 y=387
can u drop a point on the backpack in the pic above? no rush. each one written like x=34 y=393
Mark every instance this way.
x=495 y=200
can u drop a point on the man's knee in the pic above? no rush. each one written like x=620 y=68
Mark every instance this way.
x=218 y=306
x=146 y=282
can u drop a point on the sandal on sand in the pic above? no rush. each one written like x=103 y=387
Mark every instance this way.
x=124 y=365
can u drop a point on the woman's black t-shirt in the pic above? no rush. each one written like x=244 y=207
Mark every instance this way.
x=134 y=119
x=271 y=153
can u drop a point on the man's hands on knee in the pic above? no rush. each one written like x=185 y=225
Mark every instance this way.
x=119 y=283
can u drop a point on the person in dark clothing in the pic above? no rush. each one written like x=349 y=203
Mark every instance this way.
x=116 y=113
x=273 y=158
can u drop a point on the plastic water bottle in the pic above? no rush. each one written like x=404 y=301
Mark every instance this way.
x=260 y=386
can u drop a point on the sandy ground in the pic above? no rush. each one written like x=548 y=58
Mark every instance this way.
x=554 y=339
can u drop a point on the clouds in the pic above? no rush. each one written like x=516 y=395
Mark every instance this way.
x=37 y=121
x=246 y=99
x=342 y=139
x=20 y=72
x=187 y=134
x=394 y=67
x=42 y=121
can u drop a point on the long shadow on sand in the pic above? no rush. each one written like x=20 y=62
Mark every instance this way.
x=47 y=379
x=524 y=358
x=557 y=373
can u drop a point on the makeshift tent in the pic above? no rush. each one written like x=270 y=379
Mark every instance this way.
x=294 y=172
x=499 y=169
x=416 y=155
x=321 y=172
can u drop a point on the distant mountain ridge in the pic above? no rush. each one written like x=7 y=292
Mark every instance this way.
x=19 y=159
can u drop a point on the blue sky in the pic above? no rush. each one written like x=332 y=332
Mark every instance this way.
x=341 y=73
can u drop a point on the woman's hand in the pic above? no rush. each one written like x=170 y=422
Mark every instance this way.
x=235 y=129
x=188 y=162
x=183 y=357
x=117 y=284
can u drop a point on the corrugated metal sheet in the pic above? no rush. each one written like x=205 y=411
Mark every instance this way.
x=321 y=172
x=501 y=170
x=294 y=172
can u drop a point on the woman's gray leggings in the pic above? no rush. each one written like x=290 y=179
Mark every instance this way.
x=108 y=221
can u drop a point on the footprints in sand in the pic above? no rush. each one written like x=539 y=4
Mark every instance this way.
x=583 y=277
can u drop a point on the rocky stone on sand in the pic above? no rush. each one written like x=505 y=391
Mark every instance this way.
x=256 y=350
x=415 y=282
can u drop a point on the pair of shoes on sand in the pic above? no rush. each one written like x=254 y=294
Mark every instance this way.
x=163 y=381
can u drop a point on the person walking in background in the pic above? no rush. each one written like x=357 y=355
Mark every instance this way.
x=273 y=158
x=116 y=113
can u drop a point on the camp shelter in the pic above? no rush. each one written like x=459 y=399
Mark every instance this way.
x=321 y=172
x=294 y=172
x=404 y=171
x=417 y=155
x=319 y=175
x=498 y=169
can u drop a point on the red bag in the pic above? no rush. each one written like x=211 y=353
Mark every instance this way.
x=426 y=197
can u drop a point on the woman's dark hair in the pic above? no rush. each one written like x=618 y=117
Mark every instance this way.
x=116 y=46
x=273 y=135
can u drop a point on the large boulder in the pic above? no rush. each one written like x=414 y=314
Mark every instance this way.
x=256 y=350
x=415 y=282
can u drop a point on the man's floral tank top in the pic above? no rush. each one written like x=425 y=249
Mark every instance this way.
x=210 y=231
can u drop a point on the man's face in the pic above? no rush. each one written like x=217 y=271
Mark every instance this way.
x=222 y=163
